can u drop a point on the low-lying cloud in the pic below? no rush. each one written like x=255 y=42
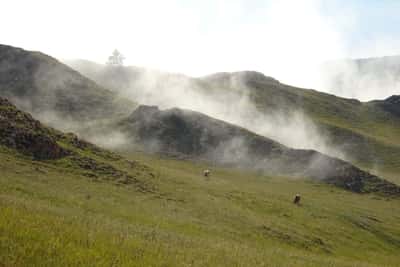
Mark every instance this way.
x=366 y=79
x=229 y=100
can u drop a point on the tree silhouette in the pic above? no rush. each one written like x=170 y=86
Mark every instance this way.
x=116 y=59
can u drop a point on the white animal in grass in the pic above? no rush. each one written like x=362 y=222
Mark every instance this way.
x=206 y=173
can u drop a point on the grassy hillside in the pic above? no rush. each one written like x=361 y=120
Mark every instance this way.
x=55 y=215
x=79 y=205
x=370 y=119
x=55 y=93
x=369 y=133
x=367 y=78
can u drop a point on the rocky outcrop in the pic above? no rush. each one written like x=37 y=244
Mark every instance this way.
x=18 y=130
x=391 y=104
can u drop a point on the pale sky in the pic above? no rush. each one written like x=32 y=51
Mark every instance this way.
x=284 y=39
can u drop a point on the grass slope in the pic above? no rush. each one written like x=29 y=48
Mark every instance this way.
x=54 y=215
x=84 y=206
x=55 y=93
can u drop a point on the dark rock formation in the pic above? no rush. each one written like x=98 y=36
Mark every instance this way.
x=18 y=130
x=391 y=104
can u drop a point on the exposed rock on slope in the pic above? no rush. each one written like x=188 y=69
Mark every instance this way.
x=390 y=104
x=194 y=135
x=18 y=130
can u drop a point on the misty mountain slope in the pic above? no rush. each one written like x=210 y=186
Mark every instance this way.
x=367 y=78
x=23 y=136
x=390 y=104
x=117 y=78
x=366 y=133
x=341 y=112
x=54 y=92
x=265 y=92
x=197 y=136
x=375 y=124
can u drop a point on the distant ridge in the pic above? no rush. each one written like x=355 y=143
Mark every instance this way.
x=42 y=85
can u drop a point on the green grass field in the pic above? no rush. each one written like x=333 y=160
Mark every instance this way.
x=55 y=215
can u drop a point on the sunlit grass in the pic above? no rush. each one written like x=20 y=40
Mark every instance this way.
x=52 y=216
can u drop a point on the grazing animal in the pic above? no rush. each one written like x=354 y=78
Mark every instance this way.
x=206 y=173
x=297 y=199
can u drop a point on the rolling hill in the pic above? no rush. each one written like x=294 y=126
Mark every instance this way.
x=44 y=86
x=55 y=93
x=21 y=133
x=195 y=136
x=365 y=133
x=66 y=202
x=366 y=78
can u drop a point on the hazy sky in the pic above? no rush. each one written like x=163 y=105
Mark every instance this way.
x=284 y=39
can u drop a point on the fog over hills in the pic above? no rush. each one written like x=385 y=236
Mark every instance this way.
x=364 y=133
x=295 y=117
x=249 y=99
x=194 y=136
x=53 y=92
x=170 y=133
x=364 y=79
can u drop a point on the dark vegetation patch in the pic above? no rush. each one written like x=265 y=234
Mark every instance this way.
x=103 y=171
x=390 y=104
x=351 y=178
x=18 y=130
x=368 y=224
x=296 y=239
x=74 y=141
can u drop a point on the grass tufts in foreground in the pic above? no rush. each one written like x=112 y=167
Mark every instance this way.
x=52 y=214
